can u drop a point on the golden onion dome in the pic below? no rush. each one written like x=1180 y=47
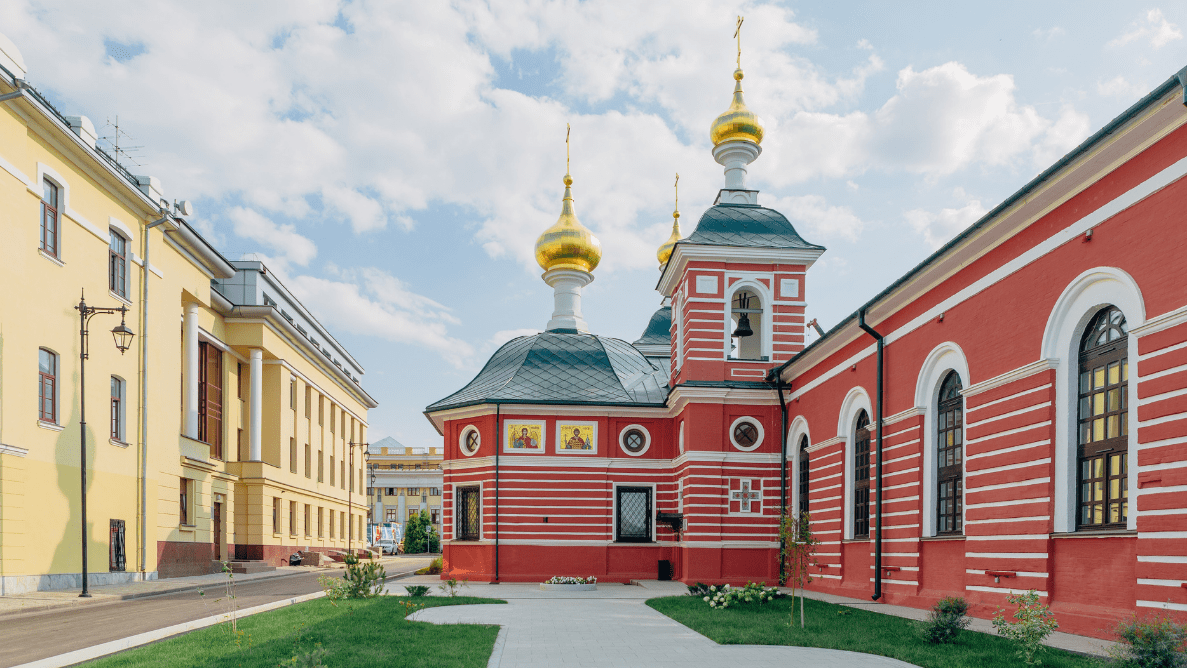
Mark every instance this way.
x=665 y=251
x=568 y=244
x=738 y=123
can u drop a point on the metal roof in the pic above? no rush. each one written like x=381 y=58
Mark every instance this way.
x=747 y=225
x=659 y=329
x=563 y=368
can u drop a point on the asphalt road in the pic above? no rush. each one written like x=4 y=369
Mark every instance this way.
x=26 y=637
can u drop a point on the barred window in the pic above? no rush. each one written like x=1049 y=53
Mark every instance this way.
x=861 y=477
x=1103 y=469
x=633 y=515
x=803 y=475
x=950 y=456
x=468 y=513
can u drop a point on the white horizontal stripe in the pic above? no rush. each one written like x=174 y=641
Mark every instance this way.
x=1008 y=432
x=1003 y=451
x=1168 y=511
x=1175 y=440
x=1007 y=555
x=1021 y=574
x=827 y=498
x=1163 y=351
x=1163 y=466
x=1162 y=534
x=1161 y=397
x=1160 y=420
x=826 y=576
x=1017 y=536
x=1162 y=559
x=910 y=470
x=1165 y=372
x=1023 y=393
x=1161 y=583
x=1158 y=490
x=1007 y=485
x=903 y=458
x=1010 y=519
x=1165 y=605
x=893 y=487
x=1000 y=504
x=1003 y=416
x=1000 y=590
x=1008 y=467
x=897 y=500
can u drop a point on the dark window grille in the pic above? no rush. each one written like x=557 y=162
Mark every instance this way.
x=468 y=513
x=745 y=434
x=117 y=265
x=950 y=456
x=472 y=441
x=184 y=502
x=49 y=217
x=117 y=558
x=861 y=477
x=1103 y=469
x=210 y=397
x=634 y=440
x=803 y=475
x=47 y=386
x=633 y=523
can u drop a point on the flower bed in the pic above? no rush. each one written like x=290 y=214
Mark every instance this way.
x=567 y=583
x=725 y=595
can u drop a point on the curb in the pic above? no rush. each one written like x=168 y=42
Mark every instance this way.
x=496 y=653
x=114 y=646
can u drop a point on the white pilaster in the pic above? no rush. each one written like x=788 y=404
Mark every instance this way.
x=566 y=293
x=190 y=396
x=256 y=405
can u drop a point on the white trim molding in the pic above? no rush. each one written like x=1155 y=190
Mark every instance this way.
x=944 y=358
x=757 y=425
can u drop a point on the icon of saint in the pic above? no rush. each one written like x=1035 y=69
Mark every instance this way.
x=576 y=442
x=523 y=441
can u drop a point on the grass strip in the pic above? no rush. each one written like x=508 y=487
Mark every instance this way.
x=832 y=626
x=359 y=632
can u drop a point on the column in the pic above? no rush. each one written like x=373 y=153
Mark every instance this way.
x=190 y=369
x=256 y=399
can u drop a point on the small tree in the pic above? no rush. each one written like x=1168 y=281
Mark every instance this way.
x=1033 y=624
x=799 y=554
x=419 y=535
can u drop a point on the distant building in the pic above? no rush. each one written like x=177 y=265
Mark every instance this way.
x=403 y=481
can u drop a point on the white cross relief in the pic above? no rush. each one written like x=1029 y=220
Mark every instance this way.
x=746 y=497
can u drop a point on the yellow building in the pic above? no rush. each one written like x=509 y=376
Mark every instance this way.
x=403 y=481
x=253 y=461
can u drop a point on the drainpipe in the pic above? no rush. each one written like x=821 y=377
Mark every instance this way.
x=782 y=475
x=498 y=449
x=144 y=272
x=861 y=321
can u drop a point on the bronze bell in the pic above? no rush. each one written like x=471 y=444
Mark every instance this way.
x=743 y=327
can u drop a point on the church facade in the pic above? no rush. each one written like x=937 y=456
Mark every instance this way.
x=1010 y=415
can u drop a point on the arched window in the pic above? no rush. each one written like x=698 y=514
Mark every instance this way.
x=746 y=326
x=803 y=475
x=861 y=476
x=1104 y=428
x=949 y=456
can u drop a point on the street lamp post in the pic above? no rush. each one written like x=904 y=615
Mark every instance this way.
x=123 y=341
x=349 y=504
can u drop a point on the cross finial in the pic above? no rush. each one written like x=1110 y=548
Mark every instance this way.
x=738 y=34
x=568 y=129
x=676 y=185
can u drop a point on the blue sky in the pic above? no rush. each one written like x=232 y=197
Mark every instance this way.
x=394 y=161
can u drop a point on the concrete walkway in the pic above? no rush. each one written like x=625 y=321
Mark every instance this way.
x=612 y=627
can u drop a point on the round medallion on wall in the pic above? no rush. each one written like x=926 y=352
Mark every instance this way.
x=746 y=434
x=634 y=439
x=470 y=440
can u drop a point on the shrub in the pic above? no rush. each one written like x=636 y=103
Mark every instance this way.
x=363 y=580
x=335 y=588
x=420 y=536
x=569 y=580
x=1034 y=623
x=451 y=586
x=698 y=589
x=314 y=658
x=434 y=567
x=417 y=591
x=725 y=595
x=946 y=620
x=1152 y=642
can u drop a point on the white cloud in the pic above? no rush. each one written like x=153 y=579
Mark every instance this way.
x=1119 y=86
x=819 y=219
x=1152 y=25
x=938 y=228
x=284 y=239
x=372 y=302
x=1048 y=34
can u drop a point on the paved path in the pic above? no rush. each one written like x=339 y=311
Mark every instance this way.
x=54 y=631
x=613 y=627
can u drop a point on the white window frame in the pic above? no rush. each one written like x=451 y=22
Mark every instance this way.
x=646 y=440
x=122 y=437
x=797 y=430
x=461 y=441
x=614 y=512
x=855 y=401
x=947 y=356
x=765 y=323
x=761 y=433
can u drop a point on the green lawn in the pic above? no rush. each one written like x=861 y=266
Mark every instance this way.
x=367 y=632
x=837 y=627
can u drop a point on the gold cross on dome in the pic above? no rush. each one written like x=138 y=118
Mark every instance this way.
x=738 y=34
x=677 y=187
x=568 y=129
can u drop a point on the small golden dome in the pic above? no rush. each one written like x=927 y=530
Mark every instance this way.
x=568 y=244
x=665 y=251
x=738 y=123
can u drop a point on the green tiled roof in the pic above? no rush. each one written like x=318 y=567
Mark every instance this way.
x=746 y=225
x=563 y=368
x=659 y=329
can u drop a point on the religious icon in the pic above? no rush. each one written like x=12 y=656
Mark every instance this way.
x=577 y=437
x=525 y=437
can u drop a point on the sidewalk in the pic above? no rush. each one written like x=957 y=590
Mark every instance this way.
x=65 y=598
